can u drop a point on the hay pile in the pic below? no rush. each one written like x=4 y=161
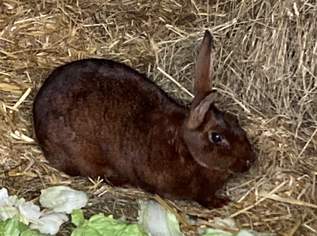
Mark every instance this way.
x=266 y=70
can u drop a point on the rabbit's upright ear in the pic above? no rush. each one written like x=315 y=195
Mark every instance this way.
x=202 y=82
x=204 y=69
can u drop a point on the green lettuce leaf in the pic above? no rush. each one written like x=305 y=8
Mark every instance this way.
x=101 y=225
x=13 y=227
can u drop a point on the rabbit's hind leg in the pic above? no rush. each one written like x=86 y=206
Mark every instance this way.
x=77 y=158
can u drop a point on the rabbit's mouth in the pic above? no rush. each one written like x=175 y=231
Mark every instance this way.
x=241 y=166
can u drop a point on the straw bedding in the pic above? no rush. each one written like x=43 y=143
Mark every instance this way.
x=266 y=68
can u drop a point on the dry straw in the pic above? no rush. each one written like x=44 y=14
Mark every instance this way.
x=266 y=69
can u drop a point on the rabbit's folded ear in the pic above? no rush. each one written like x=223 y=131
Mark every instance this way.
x=202 y=83
x=197 y=114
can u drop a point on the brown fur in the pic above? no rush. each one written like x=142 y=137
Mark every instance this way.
x=97 y=117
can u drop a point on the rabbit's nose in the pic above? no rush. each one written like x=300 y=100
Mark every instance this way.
x=248 y=163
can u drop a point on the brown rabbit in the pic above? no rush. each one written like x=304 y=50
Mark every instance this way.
x=97 y=117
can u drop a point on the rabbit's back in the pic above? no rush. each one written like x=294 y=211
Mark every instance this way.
x=89 y=80
x=93 y=117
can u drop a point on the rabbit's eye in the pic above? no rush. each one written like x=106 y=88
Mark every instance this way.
x=215 y=137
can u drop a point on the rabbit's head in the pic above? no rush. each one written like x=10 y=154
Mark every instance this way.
x=214 y=138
